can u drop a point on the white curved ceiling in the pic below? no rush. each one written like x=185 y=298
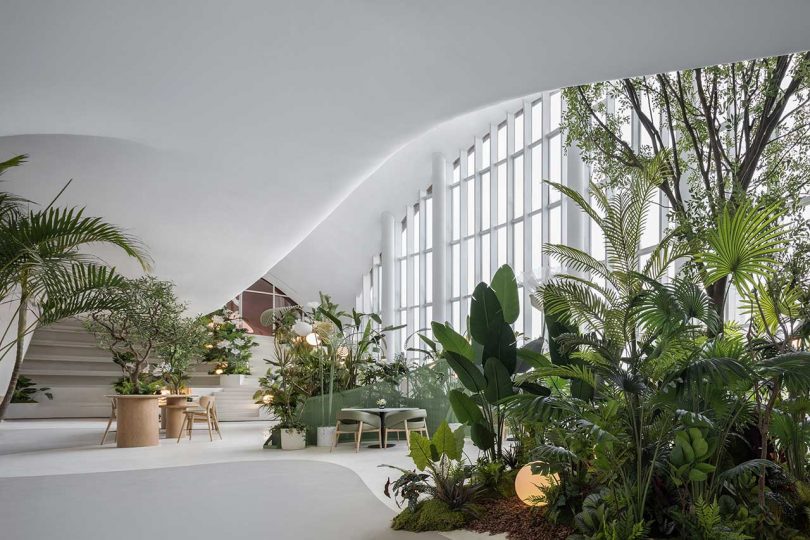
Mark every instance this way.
x=225 y=133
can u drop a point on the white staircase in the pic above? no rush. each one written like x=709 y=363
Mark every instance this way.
x=65 y=358
x=235 y=403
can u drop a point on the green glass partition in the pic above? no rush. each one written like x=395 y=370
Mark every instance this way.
x=424 y=387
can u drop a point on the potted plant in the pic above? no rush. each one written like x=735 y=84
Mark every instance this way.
x=142 y=326
x=289 y=383
x=228 y=347
x=181 y=352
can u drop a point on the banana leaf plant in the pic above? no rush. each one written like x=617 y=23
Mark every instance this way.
x=486 y=365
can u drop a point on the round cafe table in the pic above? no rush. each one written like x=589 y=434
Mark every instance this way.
x=137 y=419
x=173 y=411
x=381 y=412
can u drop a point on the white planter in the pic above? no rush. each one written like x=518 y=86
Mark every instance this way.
x=293 y=439
x=230 y=381
x=326 y=435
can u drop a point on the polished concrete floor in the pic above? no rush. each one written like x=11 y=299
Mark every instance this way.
x=55 y=479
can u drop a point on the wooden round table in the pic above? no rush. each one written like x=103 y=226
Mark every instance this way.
x=174 y=410
x=137 y=419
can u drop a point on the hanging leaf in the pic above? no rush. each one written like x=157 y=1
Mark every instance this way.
x=468 y=373
x=486 y=315
x=499 y=381
x=451 y=340
x=506 y=290
x=465 y=409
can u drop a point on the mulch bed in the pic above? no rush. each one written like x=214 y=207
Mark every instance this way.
x=518 y=521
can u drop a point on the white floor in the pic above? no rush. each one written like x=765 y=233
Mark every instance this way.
x=55 y=447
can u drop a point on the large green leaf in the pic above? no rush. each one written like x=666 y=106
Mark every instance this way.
x=503 y=346
x=465 y=409
x=420 y=451
x=499 y=381
x=486 y=315
x=445 y=442
x=506 y=290
x=459 y=435
x=468 y=373
x=451 y=340
x=482 y=436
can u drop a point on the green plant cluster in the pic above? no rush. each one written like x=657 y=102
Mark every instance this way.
x=442 y=478
x=340 y=351
x=228 y=344
x=26 y=390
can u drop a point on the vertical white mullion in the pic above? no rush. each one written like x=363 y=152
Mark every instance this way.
x=510 y=190
x=528 y=244
x=423 y=270
x=546 y=167
x=478 y=206
x=493 y=200
x=464 y=188
x=411 y=270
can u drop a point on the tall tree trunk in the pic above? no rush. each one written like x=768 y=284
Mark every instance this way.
x=22 y=321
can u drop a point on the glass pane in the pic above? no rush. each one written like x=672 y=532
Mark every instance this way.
x=428 y=318
x=485 y=152
x=428 y=223
x=262 y=285
x=485 y=208
x=650 y=235
x=470 y=161
x=555 y=110
x=403 y=241
x=470 y=207
x=537 y=324
x=455 y=278
x=501 y=142
x=502 y=197
x=456 y=311
x=417 y=227
x=517 y=201
x=518 y=131
x=502 y=246
x=537 y=120
x=403 y=283
x=519 y=322
x=455 y=198
x=537 y=244
x=518 y=248
x=555 y=166
x=456 y=173
x=429 y=277
x=537 y=177
x=469 y=247
x=555 y=225
x=415 y=300
x=485 y=259
x=597 y=242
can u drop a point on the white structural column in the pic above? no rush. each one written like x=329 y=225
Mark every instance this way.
x=388 y=283
x=575 y=226
x=440 y=244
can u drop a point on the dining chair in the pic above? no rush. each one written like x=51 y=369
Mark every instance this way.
x=113 y=416
x=356 y=423
x=407 y=422
x=207 y=412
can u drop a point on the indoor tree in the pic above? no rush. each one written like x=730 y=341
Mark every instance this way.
x=46 y=270
x=138 y=329
x=736 y=132
x=184 y=347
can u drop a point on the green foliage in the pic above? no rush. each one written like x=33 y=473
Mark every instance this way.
x=228 y=344
x=45 y=269
x=143 y=324
x=486 y=366
x=26 y=390
x=147 y=385
x=430 y=515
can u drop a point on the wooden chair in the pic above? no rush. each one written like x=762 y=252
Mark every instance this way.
x=356 y=423
x=407 y=422
x=113 y=416
x=206 y=413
